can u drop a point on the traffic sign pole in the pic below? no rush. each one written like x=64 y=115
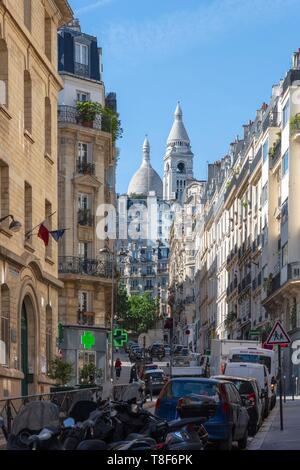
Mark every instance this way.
x=280 y=386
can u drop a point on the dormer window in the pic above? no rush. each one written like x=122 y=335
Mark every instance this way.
x=81 y=59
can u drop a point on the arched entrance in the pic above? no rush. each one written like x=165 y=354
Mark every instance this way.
x=27 y=346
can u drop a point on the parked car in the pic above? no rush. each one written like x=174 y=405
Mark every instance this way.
x=154 y=380
x=157 y=350
x=167 y=350
x=129 y=345
x=146 y=368
x=259 y=372
x=230 y=422
x=252 y=397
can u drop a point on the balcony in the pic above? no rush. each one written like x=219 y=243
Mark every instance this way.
x=295 y=127
x=256 y=160
x=83 y=266
x=68 y=114
x=85 y=218
x=85 y=168
x=242 y=174
x=85 y=318
x=275 y=153
x=81 y=69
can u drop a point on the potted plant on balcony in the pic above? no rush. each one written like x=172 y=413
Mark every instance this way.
x=86 y=112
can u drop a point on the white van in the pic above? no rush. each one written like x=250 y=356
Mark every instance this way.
x=256 y=371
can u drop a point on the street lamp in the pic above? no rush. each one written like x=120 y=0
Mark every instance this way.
x=15 y=225
x=106 y=250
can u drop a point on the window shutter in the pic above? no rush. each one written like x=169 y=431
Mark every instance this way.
x=69 y=53
x=95 y=73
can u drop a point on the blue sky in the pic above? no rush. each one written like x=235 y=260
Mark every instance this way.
x=220 y=58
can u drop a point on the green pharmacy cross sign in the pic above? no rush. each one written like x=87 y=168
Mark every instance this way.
x=88 y=340
x=120 y=337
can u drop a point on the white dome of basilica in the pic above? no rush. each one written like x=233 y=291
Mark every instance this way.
x=146 y=178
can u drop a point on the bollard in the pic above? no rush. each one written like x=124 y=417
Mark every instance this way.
x=284 y=389
x=293 y=396
x=150 y=388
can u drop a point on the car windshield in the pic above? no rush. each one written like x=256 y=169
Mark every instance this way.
x=155 y=375
x=254 y=358
x=244 y=386
x=182 y=388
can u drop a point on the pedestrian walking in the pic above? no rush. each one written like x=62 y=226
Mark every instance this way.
x=118 y=368
x=133 y=374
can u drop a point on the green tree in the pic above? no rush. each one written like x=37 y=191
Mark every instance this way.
x=142 y=313
x=61 y=371
x=122 y=304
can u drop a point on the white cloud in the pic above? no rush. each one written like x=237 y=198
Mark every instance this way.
x=187 y=27
x=92 y=6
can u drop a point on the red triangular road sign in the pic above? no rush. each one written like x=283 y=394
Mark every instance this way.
x=278 y=335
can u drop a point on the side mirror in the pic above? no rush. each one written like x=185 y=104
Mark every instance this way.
x=263 y=394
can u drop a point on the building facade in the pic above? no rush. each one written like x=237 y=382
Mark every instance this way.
x=29 y=86
x=86 y=182
x=144 y=221
x=247 y=230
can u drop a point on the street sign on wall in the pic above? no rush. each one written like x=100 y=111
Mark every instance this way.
x=278 y=335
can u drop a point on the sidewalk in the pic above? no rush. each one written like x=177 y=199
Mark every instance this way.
x=270 y=437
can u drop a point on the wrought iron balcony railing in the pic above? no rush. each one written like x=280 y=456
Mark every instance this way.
x=85 y=318
x=85 y=168
x=81 y=69
x=83 y=266
x=69 y=114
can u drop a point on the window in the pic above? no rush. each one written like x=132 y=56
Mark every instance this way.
x=181 y=168
x=48 y=36
x=27 y=14
x=265 y=150
x=81 y=54
x=84 y=250
x=284 y=258
x=83 y=301
x=4 y=189
x=83 y=96
x=3 y=73
x=5 y=323
x=48 y=127
x=264 y=194
x=27 y=102
x=28 y=209
x=284 y=212
x=286 y=114
x=285 y=163
x=82 y=152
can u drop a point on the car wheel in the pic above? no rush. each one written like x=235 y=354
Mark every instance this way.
x=226 y=445
x=253 y=429
x=242 y=443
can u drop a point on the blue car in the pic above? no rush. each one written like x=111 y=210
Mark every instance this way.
x=230 y=422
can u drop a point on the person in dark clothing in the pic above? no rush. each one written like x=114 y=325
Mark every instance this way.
x=118 y=368
x=133 y=374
